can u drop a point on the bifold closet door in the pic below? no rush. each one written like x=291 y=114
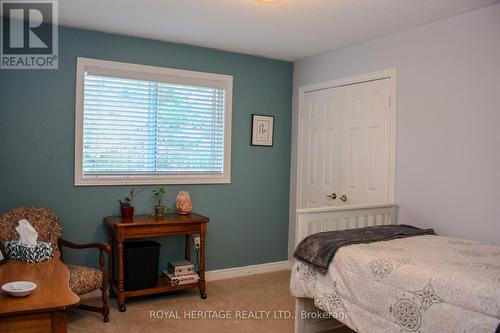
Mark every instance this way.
x=366 y=142
x=321 y=122
x=345 y=145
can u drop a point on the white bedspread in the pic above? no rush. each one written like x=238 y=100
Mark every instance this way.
x=417 y=284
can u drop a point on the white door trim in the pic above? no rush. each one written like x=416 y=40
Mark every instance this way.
x=391 y=74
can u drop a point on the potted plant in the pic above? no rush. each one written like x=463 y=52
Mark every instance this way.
x=127 y=209
x=158 y=197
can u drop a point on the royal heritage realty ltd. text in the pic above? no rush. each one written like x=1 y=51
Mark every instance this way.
x=242 y=314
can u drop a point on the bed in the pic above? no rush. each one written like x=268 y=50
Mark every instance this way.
x=422 y=284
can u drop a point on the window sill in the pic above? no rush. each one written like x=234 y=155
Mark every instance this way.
x=170 y=180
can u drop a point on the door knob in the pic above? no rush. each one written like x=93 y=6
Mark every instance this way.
x=332 y=196
x=343 y=197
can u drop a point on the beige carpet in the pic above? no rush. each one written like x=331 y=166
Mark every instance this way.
x=263 y=292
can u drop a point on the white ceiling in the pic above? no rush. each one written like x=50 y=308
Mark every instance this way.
x=289 y=30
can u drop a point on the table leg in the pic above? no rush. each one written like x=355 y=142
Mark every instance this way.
x=111 y=267
x=121 y=289
x=202 y=282
x=187 y=250
x=59 y=322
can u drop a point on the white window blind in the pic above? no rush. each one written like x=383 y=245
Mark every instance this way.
x=147 y=126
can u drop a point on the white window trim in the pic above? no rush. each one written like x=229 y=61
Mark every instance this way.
x=143 y=72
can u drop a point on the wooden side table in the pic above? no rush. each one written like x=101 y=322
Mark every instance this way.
x=45 y=309
x=148 y=226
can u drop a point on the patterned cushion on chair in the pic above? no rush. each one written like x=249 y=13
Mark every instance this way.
x=83 y=279
x=45 y=222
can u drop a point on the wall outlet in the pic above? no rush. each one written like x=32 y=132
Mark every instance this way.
x=196 y=240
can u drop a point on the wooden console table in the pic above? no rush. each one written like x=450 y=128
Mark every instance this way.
x=148 y=226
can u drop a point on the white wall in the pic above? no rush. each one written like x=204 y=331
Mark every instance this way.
x=448 y=109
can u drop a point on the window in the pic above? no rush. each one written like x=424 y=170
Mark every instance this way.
x=139 y=124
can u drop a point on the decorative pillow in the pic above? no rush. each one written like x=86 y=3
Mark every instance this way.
x=32 y=254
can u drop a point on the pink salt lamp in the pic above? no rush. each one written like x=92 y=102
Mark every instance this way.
x=183 y=203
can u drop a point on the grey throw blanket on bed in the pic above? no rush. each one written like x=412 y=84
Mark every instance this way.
x=319 y=249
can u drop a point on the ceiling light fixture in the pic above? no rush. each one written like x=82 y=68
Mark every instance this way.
x=268 y=1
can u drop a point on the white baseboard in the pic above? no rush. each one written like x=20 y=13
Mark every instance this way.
x=228 y=273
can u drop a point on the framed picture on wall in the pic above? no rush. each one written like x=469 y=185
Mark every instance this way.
x=262 y=130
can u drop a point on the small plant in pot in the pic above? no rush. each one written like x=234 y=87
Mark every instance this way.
x=158 y=197
x=126 y=205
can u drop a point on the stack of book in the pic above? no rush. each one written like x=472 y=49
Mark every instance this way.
x=180 y=272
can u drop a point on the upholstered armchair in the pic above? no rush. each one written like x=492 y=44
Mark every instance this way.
x=82 y=279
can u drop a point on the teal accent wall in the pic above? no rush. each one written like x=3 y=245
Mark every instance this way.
x=248 y=218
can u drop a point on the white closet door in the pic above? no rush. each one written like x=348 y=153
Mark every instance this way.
x=345 y=145
x=366 y=142
x=321 y=145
